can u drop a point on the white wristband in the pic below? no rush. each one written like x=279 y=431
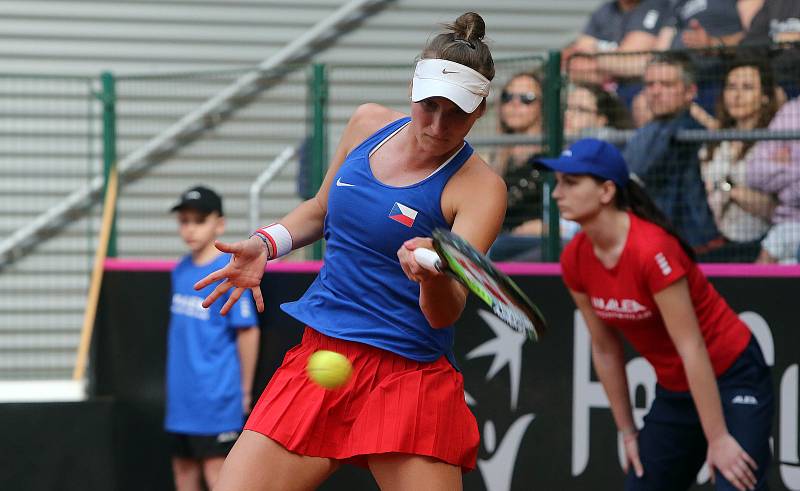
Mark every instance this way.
x=278 y=237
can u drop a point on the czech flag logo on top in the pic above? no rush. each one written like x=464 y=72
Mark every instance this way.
x=403 y=214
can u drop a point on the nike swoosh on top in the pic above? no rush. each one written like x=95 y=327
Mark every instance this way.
x=340 y=183
x=444 y=71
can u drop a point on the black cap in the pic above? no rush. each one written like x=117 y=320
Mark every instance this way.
x=199 y=198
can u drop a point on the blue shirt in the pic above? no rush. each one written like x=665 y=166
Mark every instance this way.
x=671 y=174
x=361 y=293
x=204 y=394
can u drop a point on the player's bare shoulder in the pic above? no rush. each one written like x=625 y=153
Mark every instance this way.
x=475 y=179
x=367 y=119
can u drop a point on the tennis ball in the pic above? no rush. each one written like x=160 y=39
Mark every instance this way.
x=329 y=368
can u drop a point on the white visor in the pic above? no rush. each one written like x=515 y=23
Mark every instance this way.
x=443 y=78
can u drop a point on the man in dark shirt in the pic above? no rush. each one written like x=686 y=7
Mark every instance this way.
x=622 y=24
x=700 y=24
x=777 y=22
x=617 y=26
x=670 y=171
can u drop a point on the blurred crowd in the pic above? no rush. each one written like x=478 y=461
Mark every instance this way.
x=644 y=73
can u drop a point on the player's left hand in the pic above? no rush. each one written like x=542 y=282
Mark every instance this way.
x=726 y=455
x=413 y=270
x=243 y=271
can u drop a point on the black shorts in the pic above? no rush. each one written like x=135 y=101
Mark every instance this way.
x=672 y=445
x=202 y=446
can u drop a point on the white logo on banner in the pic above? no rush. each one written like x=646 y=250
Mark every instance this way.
x=506 y=349
x=498 y=470
x=588 y=395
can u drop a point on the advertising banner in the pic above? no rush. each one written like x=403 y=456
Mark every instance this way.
x=544 y=418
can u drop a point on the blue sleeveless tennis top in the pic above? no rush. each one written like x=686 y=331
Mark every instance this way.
x=361 y=293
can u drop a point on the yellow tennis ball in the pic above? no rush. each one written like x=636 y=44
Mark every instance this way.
x=329 y=368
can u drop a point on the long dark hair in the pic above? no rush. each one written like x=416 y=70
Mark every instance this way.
x=633 y=197
x=766 y=111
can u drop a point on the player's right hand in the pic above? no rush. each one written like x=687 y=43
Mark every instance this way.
x=413 y=270
x=245 y=269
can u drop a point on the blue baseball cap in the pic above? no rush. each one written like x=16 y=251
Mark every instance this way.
x=591 y=156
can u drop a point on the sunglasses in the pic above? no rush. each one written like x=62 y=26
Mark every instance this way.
x=526 y=98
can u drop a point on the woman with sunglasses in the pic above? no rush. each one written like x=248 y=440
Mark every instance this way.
x=632 y=277
x=520 y=113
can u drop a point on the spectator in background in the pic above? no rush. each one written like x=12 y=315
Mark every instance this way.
x=774 y=167
x=697 y=24
x=748 y=101
x=618 y=26
x=211 y=359
x=520 y=113
x=590 y=107
x=670 y=171
x=621 y=25
x=777 y=22
x=702 y=24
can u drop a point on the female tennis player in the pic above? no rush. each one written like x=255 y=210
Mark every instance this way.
x=630 y=274
x=393 y=179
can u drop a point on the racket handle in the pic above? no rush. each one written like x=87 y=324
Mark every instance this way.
x=428 y=259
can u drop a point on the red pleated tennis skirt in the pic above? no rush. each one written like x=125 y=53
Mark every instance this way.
x=390 y=405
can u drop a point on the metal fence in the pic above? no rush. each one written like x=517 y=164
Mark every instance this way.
x=724 y=165
x=49 y=145
x=228 y=156
x=60 y=135
x=723 y=168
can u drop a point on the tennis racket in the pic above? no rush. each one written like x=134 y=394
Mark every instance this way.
x=459 y=259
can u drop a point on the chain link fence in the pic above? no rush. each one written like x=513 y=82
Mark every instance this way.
x=712 y=135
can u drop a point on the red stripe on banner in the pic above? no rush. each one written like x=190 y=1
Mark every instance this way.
x=755 y=270
x=517 y=269
x=742 y=270
x=113 y=264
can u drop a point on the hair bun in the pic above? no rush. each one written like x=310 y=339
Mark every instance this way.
x=469 y=26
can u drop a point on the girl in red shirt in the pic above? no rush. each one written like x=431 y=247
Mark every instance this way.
x=632 y=276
